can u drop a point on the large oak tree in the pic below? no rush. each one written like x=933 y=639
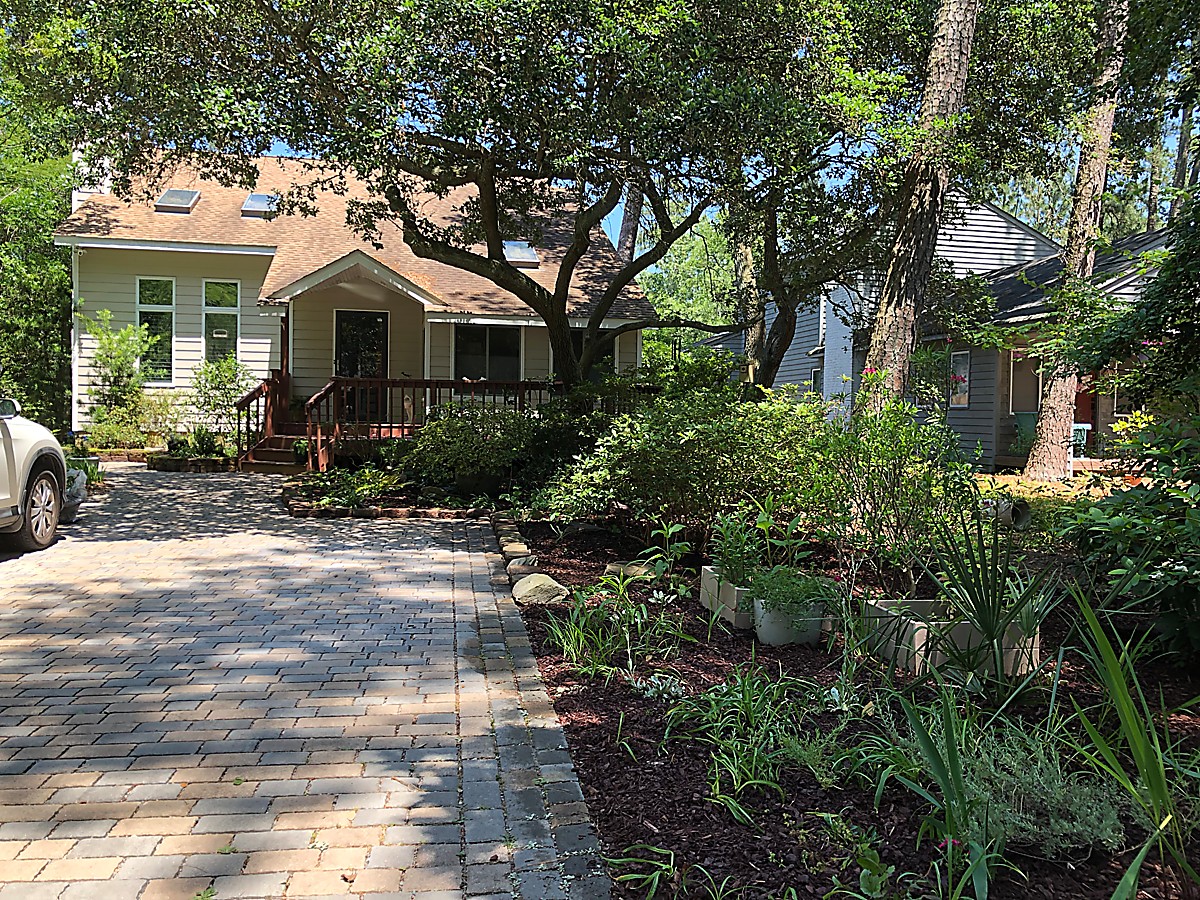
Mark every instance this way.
x=545 y=110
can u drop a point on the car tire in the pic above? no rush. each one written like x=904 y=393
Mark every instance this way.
x=43 y=506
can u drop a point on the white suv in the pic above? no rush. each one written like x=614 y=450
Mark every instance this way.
x=33 y=475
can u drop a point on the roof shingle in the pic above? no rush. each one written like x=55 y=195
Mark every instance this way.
x=304 y=244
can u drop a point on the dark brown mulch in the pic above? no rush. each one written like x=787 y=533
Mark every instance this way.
x=642 y=790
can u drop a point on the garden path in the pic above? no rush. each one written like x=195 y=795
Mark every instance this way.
x=199 y=692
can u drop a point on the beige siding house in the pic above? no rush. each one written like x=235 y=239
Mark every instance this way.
x=212 y=273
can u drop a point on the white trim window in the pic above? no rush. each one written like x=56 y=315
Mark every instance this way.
x=960 y=379
x=222 y=320
x=156 y=311
x=816 y=381
x=487 y=352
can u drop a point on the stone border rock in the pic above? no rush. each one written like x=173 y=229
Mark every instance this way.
x=519 y=560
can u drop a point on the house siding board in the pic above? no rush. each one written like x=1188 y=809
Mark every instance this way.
x=982 y=238
x=537 y=354
x=976 y=425
x=441 y=350
x=107 y=279
x=313 y=336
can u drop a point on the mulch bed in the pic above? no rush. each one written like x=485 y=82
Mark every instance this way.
x=659 y=795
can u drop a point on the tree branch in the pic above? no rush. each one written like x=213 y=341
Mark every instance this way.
x=498 y=271
x=585 y=222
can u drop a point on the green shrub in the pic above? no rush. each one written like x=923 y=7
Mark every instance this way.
x=217 y=384
x=781 y=589
x=471 y=442
x=204 y=442
x=1151 y=530
x=116 y=428
x=117 y=378
x=351 y=487
x=691 y=459
x=897 y=478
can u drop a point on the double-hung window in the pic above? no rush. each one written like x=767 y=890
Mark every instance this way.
x=220 y=319
x=492 y=352
x=156 y=311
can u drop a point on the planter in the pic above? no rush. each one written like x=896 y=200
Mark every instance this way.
x=776 y=627
x=910 y=631
x=721 y=596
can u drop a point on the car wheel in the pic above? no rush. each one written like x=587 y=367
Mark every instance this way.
x=43 y=505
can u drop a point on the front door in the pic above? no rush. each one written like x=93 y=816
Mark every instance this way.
x=360 y=344
x=360 y=351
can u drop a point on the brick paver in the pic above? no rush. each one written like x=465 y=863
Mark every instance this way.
x=198 y=692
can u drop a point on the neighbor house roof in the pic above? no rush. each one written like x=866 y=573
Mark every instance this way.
x=302 y=245
x=1020 y=291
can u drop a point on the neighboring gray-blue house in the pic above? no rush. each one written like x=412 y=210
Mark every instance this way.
x=996 y=393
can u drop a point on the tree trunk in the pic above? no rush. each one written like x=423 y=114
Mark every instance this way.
x=631 y=219
x=783 y=331
x=1050 y=455
x=1154 y=187
x=751 y=306
x=566 y=363
x=923 y=196
x=1182 y=160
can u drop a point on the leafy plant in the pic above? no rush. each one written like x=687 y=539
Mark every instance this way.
x=745 y=722
x=782 y=589
x=470 y=442
x=617 y=633
x=217 y=385
x=736 y=547
x=117 y=377
x=653 y=869
x=1155 y=521
x=1158 y=779
x=203 y=441
x=980 y=579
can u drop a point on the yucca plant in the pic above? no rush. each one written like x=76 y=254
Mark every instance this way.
x=985 y=586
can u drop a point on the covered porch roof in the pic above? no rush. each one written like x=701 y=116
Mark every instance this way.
x=356 y=271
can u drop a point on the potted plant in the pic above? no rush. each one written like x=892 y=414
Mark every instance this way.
x=737 y=553
x=789 y=606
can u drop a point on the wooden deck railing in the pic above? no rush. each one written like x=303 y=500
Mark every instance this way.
x=381 y=408
x=260 y=411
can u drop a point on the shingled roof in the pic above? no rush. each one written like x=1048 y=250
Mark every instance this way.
x=305 y=244
x=1020 y=291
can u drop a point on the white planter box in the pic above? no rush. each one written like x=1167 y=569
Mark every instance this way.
x=778 y=628
x=720 y=596
x=908 y=632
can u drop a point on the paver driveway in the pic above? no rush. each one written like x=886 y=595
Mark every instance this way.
x=198 y=691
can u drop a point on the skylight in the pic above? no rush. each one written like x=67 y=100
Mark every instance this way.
x=177 y=200
x=260 y=205
x=521 y=254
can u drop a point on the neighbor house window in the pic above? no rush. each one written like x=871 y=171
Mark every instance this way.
x=816 y=380
x=487 y=351
x=960 y=378
x=220 y=319
x=156 y=311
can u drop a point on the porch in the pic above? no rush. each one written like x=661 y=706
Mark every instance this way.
x=353 y=409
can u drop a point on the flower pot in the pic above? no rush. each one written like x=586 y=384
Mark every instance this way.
x=775 y=627
x=912 y=633
x=723 y=597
